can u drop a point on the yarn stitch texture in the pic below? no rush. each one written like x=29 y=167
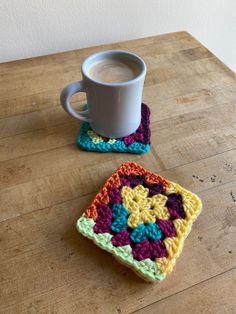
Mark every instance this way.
x=136 y=143
x=142 y=219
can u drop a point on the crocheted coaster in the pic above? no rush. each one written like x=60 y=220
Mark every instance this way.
x=142 y=219
x=136 y=143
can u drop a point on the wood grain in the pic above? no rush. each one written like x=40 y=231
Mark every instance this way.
x=38 y=184
x=42 y=249
x=46 y=182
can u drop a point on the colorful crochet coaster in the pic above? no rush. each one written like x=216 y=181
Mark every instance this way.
x=136 y=143
x=142 y=219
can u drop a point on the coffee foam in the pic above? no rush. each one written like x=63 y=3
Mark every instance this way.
x=114 y=70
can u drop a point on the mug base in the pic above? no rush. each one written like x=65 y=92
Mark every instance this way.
x=115 y=135
x=137 y=143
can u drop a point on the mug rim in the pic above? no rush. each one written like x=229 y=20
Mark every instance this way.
x=133 y=56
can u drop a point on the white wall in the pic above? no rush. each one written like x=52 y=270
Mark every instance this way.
x=37 y=27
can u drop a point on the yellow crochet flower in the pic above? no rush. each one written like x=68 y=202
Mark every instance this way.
x=96 y=139
x=143 y=209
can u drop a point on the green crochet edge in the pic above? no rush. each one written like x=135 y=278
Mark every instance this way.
x=146 y=269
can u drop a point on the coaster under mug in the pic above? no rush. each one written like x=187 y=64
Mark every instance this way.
x=136 y=143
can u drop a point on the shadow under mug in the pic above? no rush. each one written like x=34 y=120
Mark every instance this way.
x=113 y=109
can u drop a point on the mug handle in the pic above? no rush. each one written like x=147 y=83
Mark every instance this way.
x=65 y=97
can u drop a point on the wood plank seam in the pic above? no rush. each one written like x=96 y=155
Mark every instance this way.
x=69 y=123
x=216 y=88
x=176 y=116
x=158 y=159
x=95 y=191
x=176 y=293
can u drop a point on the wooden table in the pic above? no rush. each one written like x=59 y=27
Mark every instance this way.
x=47 y=182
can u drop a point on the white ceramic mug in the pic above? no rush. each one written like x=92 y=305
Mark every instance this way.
x=113 y=109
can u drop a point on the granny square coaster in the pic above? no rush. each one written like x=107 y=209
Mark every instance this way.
x=142 y=219
x=136 y=143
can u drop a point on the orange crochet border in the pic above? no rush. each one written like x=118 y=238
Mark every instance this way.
x=127 y=168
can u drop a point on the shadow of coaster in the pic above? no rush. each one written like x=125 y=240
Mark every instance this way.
x=135 y=143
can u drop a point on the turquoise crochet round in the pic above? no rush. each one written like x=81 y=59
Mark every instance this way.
x=150 y=231
x=119 y=214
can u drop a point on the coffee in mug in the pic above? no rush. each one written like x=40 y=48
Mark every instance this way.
x=114 y=70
